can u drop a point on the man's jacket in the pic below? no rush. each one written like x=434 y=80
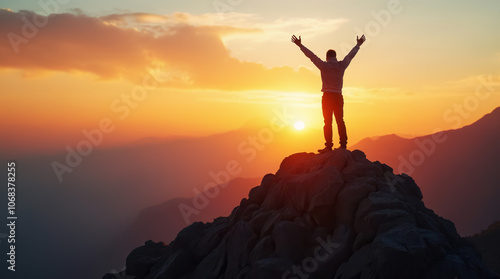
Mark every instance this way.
x=332 y=71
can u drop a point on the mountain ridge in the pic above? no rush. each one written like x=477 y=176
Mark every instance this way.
x=462 y=161
x=495 y=113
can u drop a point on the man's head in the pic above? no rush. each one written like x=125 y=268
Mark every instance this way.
x=330 y=53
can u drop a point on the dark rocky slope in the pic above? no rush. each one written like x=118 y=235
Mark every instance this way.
x=334 y=215
x=487 y=243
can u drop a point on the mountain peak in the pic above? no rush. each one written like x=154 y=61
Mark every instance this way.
x=332 y=215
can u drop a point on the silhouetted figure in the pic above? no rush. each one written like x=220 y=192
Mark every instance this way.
x=332 y=75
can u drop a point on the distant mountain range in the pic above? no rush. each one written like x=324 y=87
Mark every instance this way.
x=101 y=197
x=456 y=169
x=162 y=222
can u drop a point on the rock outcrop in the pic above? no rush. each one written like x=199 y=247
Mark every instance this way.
x=487 y=243
x=333 y=215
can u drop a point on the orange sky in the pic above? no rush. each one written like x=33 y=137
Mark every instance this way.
x=195 y=74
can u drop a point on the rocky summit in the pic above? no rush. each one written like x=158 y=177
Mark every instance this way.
x=333 y=215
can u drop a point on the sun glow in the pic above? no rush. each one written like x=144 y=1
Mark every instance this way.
x=299 y=125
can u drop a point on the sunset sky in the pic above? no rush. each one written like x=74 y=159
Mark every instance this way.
x=192 y=68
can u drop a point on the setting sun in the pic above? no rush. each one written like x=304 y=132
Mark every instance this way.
x=299 y=125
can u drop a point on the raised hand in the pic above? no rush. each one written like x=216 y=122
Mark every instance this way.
x=360 y=40
x=297 y=41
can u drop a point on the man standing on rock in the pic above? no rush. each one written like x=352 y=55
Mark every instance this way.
x=332 y=75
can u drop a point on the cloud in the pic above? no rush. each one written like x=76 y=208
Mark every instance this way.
x=124 y=45
x=69 y=43
x=489 y=80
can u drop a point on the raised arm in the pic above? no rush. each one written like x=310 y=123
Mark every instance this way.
x=315 y=59
x=352 y=53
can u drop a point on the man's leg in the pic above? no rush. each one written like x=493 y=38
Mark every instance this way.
x=327 y=104
x=338 y=110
